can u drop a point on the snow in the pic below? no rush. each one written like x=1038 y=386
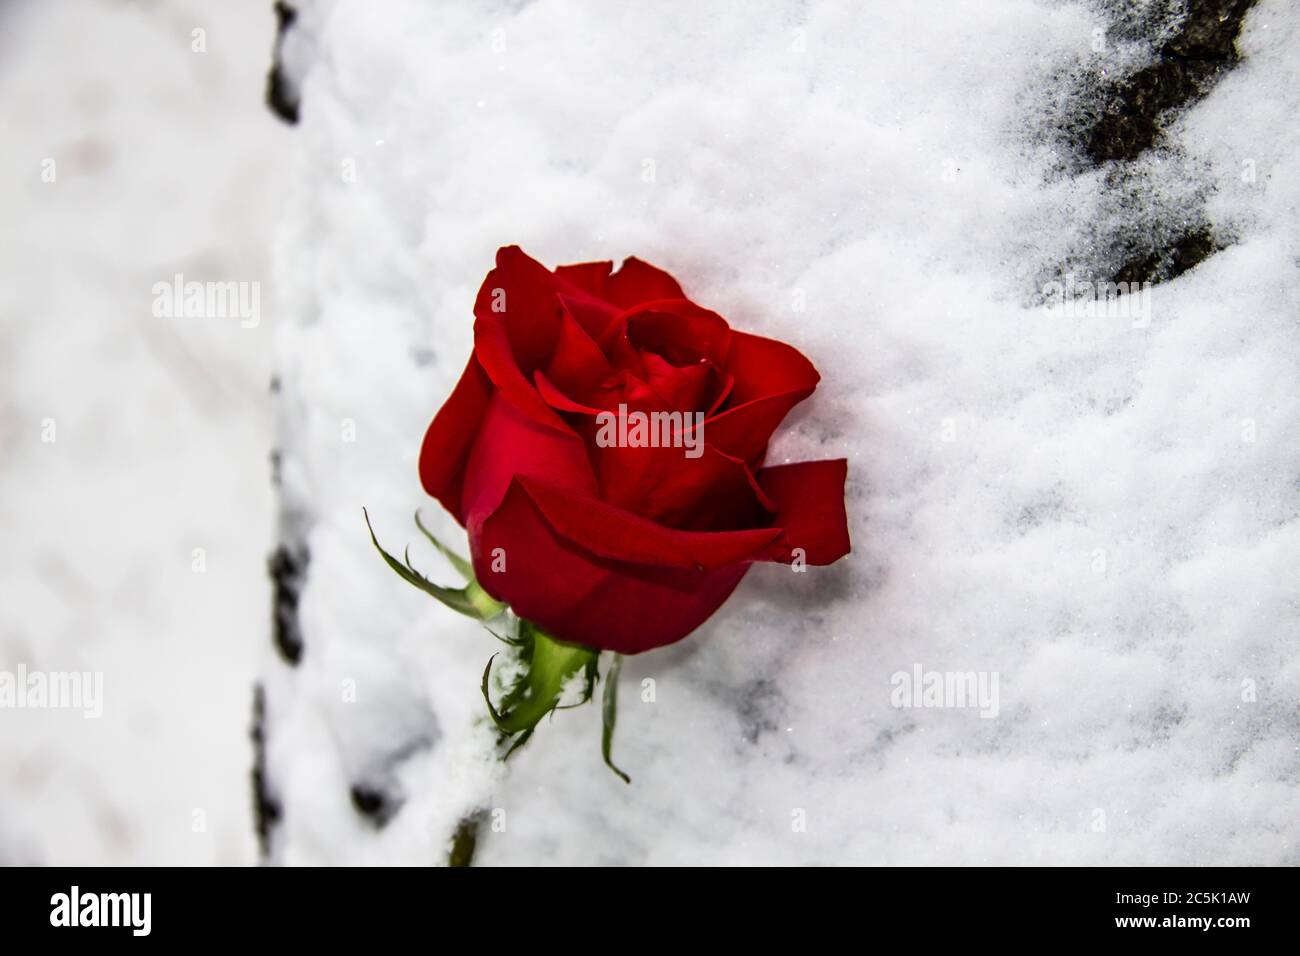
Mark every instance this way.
x=1099 y=511
x=165 y=162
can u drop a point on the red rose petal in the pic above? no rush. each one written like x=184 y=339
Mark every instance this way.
x=618 y=535
x=551 y=394
x=745 y=431
x=635 y=282
x=590 y=592
x=450 y=435
x=770 y=379
x=509 y=444
x=638 y=281
x=577 y=366
x=642 y=556
x=713 y=492
x=679 y=330
x=809 y=496
x=586 y=598
x=516 y=322
x=590 y=278
x=765 y=367
x=682 y=388
x=629 y=614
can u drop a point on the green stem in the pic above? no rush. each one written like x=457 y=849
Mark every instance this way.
x=550 y=664
x=465 y=840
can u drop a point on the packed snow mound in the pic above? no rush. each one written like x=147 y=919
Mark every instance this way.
x=1088 y=506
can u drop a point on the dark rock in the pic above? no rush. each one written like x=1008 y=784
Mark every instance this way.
x=1171 y=262
x=282 y=94
x=376 y=804
x=1187 y=66
x=266 y=809
x=288 y=570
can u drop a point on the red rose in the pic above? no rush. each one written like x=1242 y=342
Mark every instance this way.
x=593 y=511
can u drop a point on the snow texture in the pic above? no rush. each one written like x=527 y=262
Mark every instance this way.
x=1099 y=509
x=135 y=512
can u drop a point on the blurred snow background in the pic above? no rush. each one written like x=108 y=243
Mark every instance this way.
x=1101 y=513
x=165 y=161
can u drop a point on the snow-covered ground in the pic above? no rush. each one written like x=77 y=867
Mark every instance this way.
x=129 y=440
x=1099 y=510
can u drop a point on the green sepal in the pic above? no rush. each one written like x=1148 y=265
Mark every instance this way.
x=471 y=600
x=463 y=567
x=548 y=664
x=609 y=715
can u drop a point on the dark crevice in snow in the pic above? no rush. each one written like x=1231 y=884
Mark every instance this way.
x=1151 y=225
x=760 y=708
x=376 y=791
x=266 y=809
x=1172 y=261
x=288 y=570
x=1187 y=65
x=1134 y=112
x=282 y=94
x=374 y=803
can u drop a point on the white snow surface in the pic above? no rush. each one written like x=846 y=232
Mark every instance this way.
x=165 y=162
x=1099 y=510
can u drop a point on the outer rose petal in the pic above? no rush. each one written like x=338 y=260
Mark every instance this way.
x=638 y=281
x=620 y=536
x=597 y=599
x=510 y=443
x=764 y=367
x=512 y=343
x=771 y=378
x=450 y=435
x=520 y=296
x=635 y=282
x=809 y=497
x=745 y=431
x=713 y=492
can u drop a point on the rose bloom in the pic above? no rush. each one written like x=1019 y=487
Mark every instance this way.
x=632 y=544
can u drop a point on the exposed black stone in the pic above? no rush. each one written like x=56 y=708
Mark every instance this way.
x=1151 y=225
x=282 y=93
x=1171 y=262
x=288 y=569
x=374 y=803
x=1186 y=67
x=266 y=809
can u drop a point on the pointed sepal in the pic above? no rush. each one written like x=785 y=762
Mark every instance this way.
x=609 y=715
x=463 y=567
x=471 y=600
x=546 y=666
